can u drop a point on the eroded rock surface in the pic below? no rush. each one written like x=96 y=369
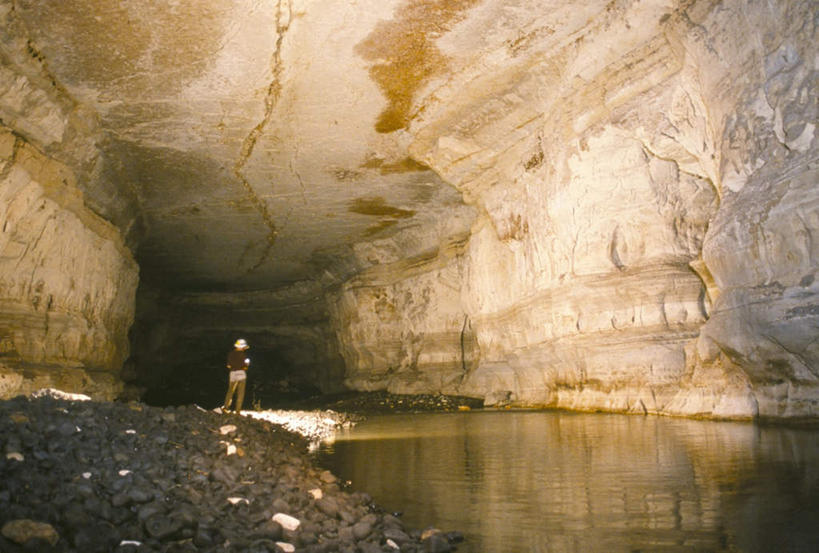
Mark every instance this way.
x=645 y=175
x=604 y=205
x=67 y=281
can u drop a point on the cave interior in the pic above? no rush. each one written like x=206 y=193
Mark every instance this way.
x=596 y=206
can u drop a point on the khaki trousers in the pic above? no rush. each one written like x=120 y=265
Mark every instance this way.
x=236 y=386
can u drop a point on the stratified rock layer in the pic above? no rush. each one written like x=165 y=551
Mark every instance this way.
x=594 y=205
x=645 y=175
x=67 y=282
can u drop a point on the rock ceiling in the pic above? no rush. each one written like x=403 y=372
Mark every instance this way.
x=250 y=144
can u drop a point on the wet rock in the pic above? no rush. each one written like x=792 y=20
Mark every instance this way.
x=396 y=535
x=362 y=529
x=435 y=541
x=67 y=429
x=24 y=530
x=203 y=537
x=268 y=530
x=328 y=477
x=345 y=534
x=281 y=505
x=103 y=486
x=120 y=500
x=161 y=527
x=348 y=516
x=369 y=547
x=328 y=506
x=147 y=511
x=96 y=538
x=75 y=516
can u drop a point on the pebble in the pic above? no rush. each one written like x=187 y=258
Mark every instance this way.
x=328 y=506
x=227 y=429
x=287 y=522
x=361 y=530
x=22 y=531
x=396 y=535
x=19 y=418
x=112 y=486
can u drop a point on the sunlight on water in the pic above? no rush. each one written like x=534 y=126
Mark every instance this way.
x=566 y=482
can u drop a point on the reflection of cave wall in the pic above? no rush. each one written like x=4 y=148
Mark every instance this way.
x=181 y=341
x=683 y=477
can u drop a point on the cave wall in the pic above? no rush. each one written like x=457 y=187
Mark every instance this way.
x=67 y=282
x=403 y=323
x=67 y=279
x=645 y=181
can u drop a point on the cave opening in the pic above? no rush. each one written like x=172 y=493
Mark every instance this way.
x=180 y=341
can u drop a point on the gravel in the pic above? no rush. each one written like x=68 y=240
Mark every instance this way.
x=91 y=476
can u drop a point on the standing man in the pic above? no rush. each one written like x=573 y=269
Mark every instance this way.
x=237 y=364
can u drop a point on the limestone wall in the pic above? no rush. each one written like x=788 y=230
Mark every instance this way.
x=67 y=283
x=645 y=178
x=402 y=325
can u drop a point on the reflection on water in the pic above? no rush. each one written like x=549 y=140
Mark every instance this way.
x=567 y=482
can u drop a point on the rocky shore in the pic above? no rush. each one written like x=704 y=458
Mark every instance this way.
x=359 y=404
x=98 y=477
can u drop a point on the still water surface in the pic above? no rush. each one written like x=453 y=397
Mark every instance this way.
x=549 y=481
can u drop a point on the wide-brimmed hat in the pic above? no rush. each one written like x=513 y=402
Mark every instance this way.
x=241 y=343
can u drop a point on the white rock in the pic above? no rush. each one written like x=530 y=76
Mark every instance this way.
x=237 y=500
x=86 y=475
x=286 y=547
x=124 y=472
x=287 y=522
x=14 y=456
x=316 y=493
x=392 y=544
x=59 y=394
x=227 y=429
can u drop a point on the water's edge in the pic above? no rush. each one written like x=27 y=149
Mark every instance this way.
x=563 y=481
